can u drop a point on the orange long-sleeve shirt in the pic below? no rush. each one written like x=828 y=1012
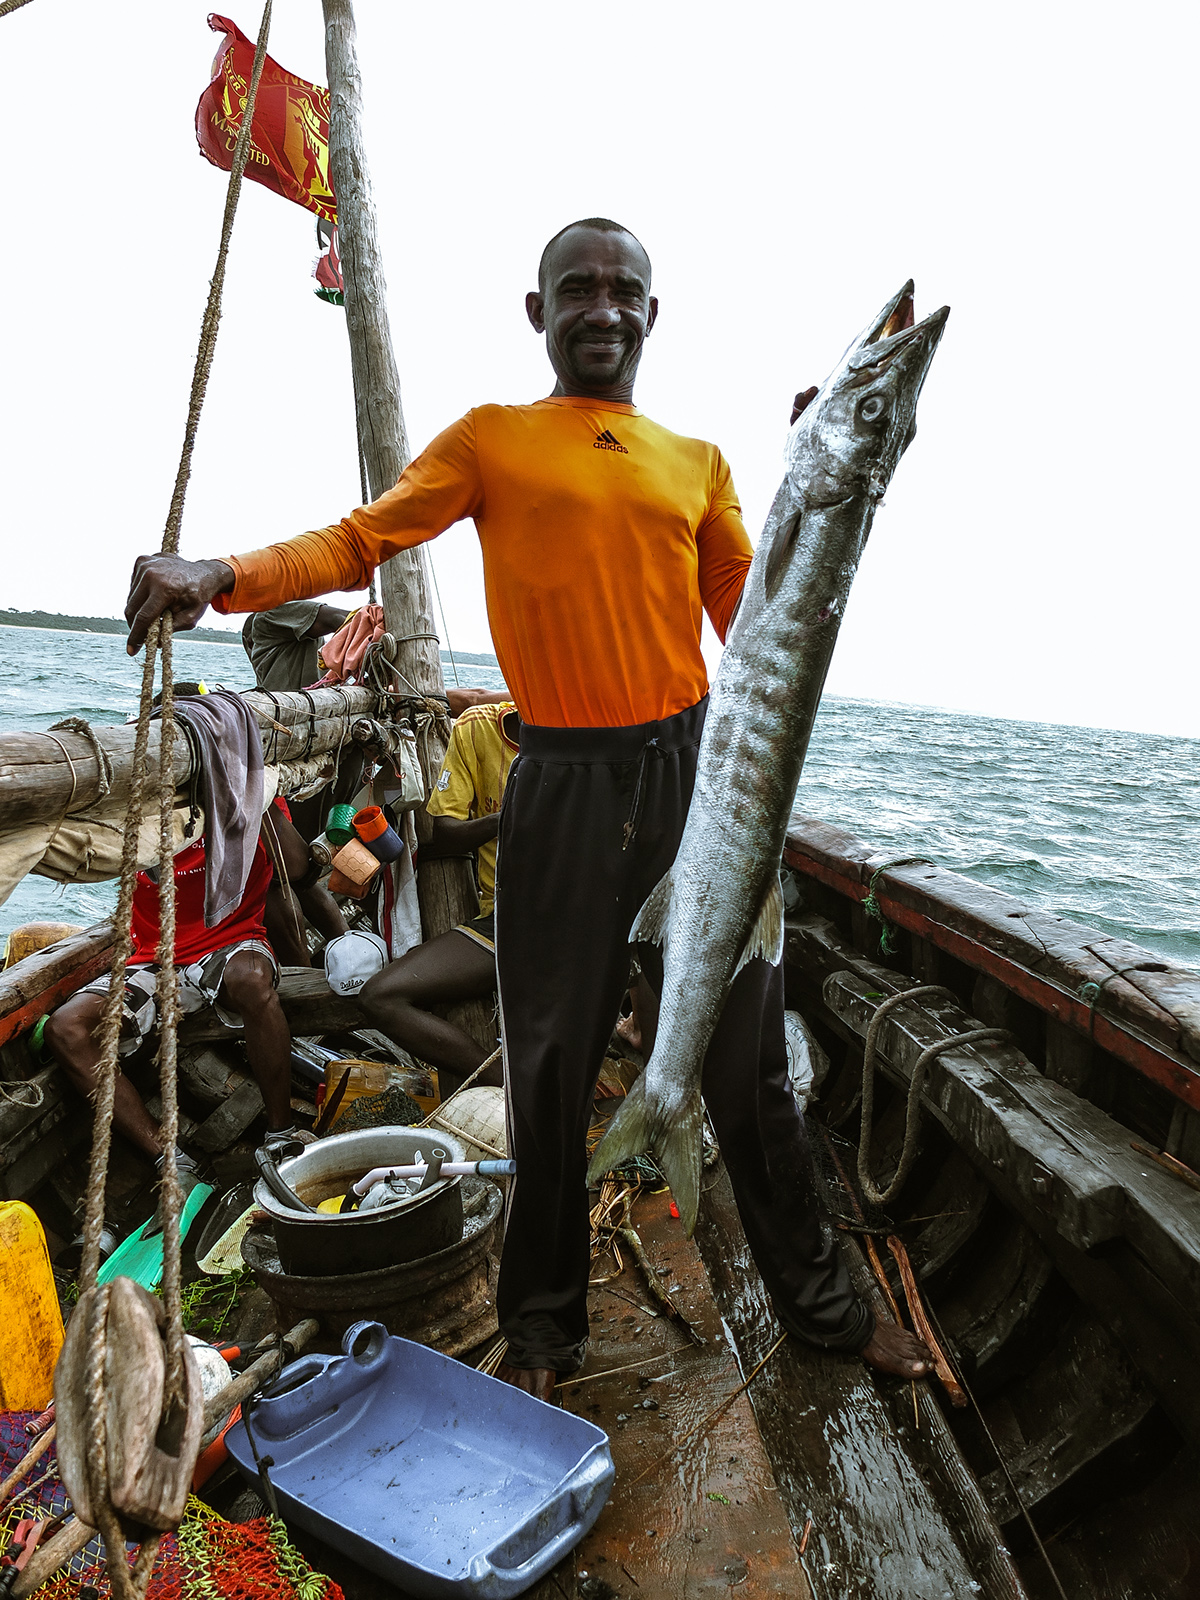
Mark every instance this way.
x=603 y=537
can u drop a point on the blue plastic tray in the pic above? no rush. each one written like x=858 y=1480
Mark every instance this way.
x=436 y=1477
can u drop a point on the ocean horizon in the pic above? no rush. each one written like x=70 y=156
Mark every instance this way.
x=1100 y=825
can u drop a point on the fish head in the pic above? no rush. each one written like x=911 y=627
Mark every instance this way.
x=847 y=440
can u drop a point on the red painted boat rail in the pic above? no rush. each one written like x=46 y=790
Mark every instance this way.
x=1141 y=1008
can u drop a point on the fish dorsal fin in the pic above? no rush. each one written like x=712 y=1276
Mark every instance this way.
x=650 y=924
x=766 y=936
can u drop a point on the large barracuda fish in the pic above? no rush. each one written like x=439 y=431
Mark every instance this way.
x=720 y=904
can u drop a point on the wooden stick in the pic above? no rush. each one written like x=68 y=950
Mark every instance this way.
x=466 y=1084
x=438 y=1121
x=882 y=1277
x=25 y=1465
x=922 y=1325
x=244 y=1385
x=47 y=1558
x=1169 y=1162
x=611 y=1372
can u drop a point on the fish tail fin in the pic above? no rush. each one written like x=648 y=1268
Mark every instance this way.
x=674 y=1142
x=650 y=924
x=766 y=936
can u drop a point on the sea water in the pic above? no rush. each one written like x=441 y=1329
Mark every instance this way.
x=1100 y=826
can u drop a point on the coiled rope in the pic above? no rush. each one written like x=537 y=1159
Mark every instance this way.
x=127 y=1584
x=912 y=1114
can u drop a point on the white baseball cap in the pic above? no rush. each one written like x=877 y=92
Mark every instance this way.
x=352 y=958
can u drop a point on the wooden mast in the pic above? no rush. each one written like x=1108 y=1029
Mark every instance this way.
x=446 y=887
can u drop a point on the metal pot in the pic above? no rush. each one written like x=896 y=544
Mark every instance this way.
x=447 y=1300
x=320 y=1245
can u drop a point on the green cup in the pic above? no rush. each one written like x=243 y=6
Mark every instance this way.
x=339 y=829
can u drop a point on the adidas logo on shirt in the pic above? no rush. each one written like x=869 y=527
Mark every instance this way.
x=605 y=441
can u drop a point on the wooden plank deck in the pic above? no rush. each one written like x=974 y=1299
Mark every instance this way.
x=707 y=1519
x=896 y=1515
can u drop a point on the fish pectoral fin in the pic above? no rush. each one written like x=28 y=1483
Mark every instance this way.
x=650 y=924
x=639 y=1128
x=766 y=936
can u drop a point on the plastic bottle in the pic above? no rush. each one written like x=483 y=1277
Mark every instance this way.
x=31 y=1330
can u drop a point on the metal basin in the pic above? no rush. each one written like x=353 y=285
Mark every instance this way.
x=447 y=1300
x=319 y=1245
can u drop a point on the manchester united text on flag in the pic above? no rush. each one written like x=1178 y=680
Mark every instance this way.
x=289 y=150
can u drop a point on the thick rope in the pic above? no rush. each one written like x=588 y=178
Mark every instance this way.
x=912 y=1115
x=11 y=5
x=104 y=776
x=372 y=592
x=127 y=1585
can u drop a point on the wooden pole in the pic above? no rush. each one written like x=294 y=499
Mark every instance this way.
x=381 y=431
x=446 y=888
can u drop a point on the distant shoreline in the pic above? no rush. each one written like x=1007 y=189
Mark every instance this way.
x=64 y=624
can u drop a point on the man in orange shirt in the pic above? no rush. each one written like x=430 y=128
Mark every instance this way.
x=605 y=538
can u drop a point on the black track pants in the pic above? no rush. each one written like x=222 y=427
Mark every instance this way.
x=567 y=894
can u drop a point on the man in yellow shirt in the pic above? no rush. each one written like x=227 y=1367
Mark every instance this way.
x=461 y=964
x=605 y=539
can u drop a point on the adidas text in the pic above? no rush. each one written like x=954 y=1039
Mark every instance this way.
x=606 y=441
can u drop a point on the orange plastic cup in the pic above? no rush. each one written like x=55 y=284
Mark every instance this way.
x=370 y=823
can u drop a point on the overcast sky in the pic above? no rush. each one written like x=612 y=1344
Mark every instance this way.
x=786 y=165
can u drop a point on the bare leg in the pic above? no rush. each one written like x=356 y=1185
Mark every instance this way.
x=448 y=968
x=70 y=1036
x=247 y=988
x=537 y=1381
x=284 y=923
x=322 y=911
x=638 y=1029
x=288 y=907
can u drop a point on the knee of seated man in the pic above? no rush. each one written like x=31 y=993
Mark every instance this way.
x=73 y=1022
x=249 y=979
x=395 y=985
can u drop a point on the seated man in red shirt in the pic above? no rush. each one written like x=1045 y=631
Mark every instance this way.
x=231 y=968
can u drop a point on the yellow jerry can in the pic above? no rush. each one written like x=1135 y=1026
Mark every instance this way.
x=31 y=1328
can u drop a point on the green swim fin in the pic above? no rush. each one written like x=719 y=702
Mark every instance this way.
x=140 y=1257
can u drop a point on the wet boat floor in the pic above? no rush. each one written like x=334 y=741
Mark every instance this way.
x=706 y=1518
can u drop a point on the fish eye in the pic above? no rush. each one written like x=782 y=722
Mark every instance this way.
x=872 y=408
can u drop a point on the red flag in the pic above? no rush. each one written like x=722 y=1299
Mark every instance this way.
x=289 y=148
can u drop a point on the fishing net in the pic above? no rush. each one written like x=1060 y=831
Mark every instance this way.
x=391 y=1108
x=208 y=1559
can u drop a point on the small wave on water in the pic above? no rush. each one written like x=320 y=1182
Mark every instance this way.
x=1097 y=825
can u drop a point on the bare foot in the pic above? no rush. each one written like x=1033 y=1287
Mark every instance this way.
x=537 y=1381
x=894 y=1349
x=629 y=1033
